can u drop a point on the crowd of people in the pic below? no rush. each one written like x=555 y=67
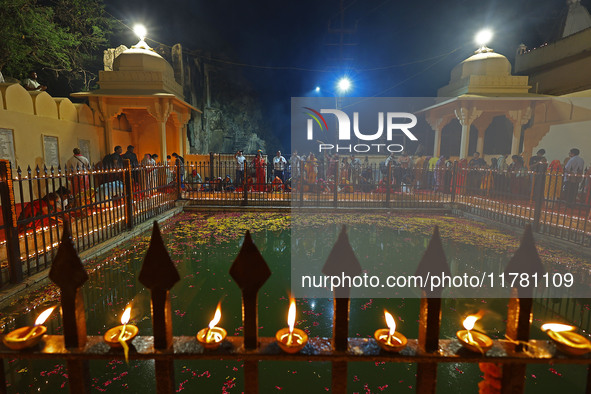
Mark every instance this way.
x=504 y=175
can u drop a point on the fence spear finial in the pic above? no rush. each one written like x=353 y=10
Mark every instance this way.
x=341 y=261
x=68 y=273
x=526 y=260
x=250 y=271
x=159 y=274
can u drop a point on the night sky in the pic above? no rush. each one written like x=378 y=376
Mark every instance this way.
x=432 y=36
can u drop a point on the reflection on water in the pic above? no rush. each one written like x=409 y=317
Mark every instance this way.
x=205 y=280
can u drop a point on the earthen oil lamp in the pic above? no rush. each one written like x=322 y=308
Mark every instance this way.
x=211 y=337
x=388 y=338
x=567 y=341
x=28 y=336
x=290 y=339
x=474 y=340
x=118 y=336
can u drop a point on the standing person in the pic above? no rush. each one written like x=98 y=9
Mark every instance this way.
x=133 y=161
x=129 y=155
x=355 y=169
x=30 y=83
x=114 y=159
x=475 y=176
x=78 y=162
x=260 y=167
x=279 y=164
x=147 y=180
x=536 y=159
x=240 y=159
x=572 y=175
x=181 y=163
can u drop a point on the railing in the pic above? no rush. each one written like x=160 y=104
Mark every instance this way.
x=508 y=358
x=98 y=203
x=103 y=203
x=554 y=203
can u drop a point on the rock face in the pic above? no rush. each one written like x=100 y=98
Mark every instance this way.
x=232 y=117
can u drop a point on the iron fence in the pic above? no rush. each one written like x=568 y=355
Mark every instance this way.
x=505 y=362
x=555 y=203
x=99 y=203
x=102 y=203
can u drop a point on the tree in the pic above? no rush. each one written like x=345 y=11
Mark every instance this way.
x=65 y=37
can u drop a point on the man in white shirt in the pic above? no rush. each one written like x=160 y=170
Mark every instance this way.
x=279 y=164
x=77 y=161
x=78 y=183
x=240 y=159
x=31 y=83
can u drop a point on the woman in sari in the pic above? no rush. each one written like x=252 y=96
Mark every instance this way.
x=260 y=166
x=311 y=169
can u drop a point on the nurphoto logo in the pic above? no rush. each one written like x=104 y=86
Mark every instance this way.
x=395 y=122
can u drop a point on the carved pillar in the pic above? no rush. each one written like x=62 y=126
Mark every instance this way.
x=482 y=124
x=466 y=116
x=437 y=123
x=518 y=118
x=183 y=140
x=480 y=141
x=437 y=126
x=106 y=114
x=161 y=111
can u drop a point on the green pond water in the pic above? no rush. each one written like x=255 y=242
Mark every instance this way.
x=203 y=268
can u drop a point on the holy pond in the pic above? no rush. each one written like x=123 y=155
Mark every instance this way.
x=204 y=246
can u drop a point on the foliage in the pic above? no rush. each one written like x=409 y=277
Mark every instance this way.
x=65 y=37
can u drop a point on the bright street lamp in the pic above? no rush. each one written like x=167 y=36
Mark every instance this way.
x=483 y=37
x=140 y=31
x=344 y=85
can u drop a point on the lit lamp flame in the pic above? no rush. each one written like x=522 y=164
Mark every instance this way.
x=291 y=320
x=124 y=320
x=291 y=339
x=216 y=319
x=469 y=325
x=566 y=340
x=387 y=338
x=557 y=327
x=24 y=337
x=43 y=316
x=40 y=320
x=392 y=326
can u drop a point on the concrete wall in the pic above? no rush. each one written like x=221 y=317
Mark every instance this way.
x=33 y=114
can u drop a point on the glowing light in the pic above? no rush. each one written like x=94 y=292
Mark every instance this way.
x=140 y=31
x=470 y=321
x=291 y=315
x=317 y=89
x=216 y=317
x=556 y=327
x=43 y=316
x=344 y=85
x=126 y=315
x=390 y=322
x=483 y=37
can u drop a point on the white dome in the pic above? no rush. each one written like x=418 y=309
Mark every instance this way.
x=140 y=59
x=482 y=63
